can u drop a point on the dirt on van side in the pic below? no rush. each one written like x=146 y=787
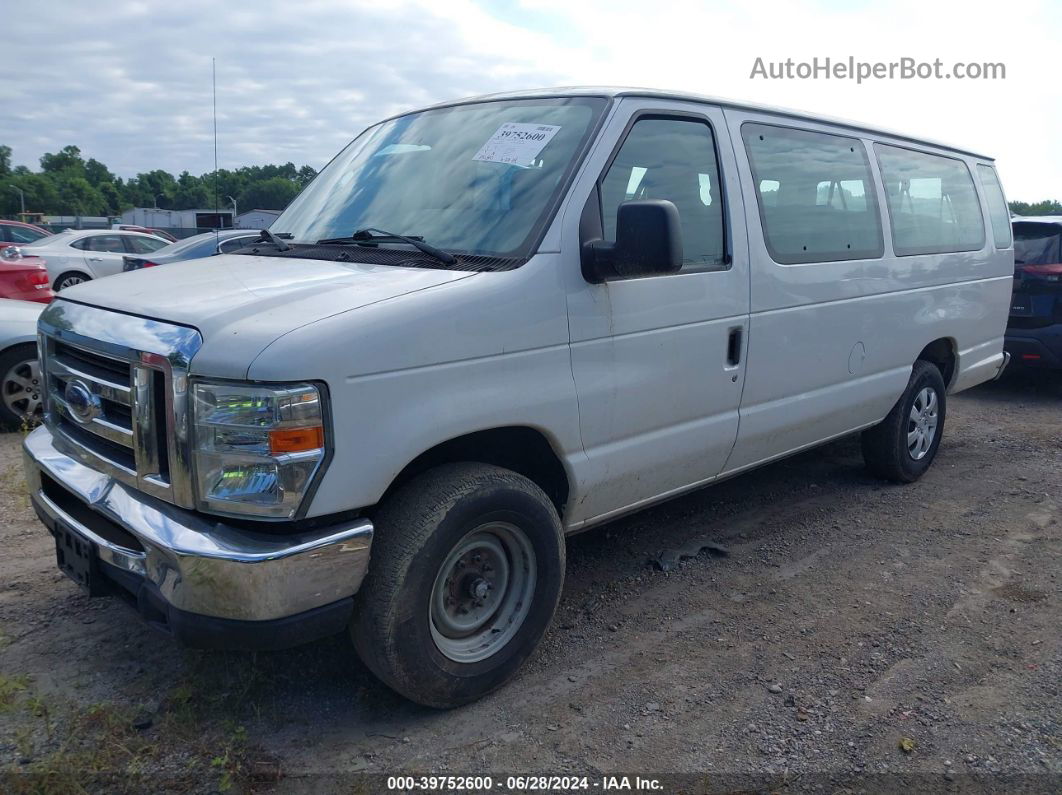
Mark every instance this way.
x=901 y=633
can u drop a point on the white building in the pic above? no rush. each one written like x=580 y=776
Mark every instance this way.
x=157 y=218
x=256 y=219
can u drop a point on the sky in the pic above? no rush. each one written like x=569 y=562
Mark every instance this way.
x=130 y=82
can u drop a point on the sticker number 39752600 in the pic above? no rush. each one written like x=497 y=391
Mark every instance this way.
x=516 y=143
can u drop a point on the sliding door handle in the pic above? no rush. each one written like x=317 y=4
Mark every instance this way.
x=733 y=346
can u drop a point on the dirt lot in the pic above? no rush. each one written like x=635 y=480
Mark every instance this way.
x=879 y=614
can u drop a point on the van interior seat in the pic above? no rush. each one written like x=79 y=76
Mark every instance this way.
x=702 y=224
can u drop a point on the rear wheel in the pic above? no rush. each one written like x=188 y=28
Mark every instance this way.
x=20 y=387
x=467 y=568
x=69 y=279
x=903 y=445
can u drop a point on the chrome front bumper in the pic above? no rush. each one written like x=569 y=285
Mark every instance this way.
x=197 y=565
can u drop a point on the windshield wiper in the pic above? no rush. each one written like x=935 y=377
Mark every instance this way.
x=371 y=236
x=269 y=237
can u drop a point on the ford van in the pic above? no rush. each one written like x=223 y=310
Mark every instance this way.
x=488 y=325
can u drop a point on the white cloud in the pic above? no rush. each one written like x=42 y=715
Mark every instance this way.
x=297 y=80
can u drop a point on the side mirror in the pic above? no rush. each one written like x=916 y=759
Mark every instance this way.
x=648 y=242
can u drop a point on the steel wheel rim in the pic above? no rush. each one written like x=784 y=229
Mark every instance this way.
x=922 y=423
x=70 y=281
x=482 y=592
x=21 y=389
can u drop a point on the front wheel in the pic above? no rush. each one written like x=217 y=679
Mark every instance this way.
x=21 y=387
x=466 y=572
x=903 y=445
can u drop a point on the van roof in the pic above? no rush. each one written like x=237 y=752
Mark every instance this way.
x=621 y=91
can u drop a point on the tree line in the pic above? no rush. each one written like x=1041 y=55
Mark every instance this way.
x=68 y=184
x=1046 y=207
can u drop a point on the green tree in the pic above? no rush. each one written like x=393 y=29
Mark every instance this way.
x=40 y=192
x=305 y=176
x=270 y=194
x=112 y=198
x=191 y=193
x=67 y=159
x=78 y=197
x=96 y=173
x=5 y=160
x=1045 y=207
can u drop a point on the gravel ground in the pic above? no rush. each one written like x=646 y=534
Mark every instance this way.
x=850 y=620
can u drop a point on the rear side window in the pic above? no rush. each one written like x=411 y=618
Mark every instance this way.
x=145 y=245
x=815 y=194
x=109 y=243
x=672 y=159
x=932 y=202
x=998 y=212
x=236 y=243
x=21 y=234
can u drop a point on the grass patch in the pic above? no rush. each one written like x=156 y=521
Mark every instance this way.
x=192 y=739
x=10 y=688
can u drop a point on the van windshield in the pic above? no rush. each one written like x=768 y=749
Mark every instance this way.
x=476 y=179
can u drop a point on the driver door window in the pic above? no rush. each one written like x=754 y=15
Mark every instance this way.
x=672 y=159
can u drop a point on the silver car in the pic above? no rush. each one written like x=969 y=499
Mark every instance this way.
x=20 y=387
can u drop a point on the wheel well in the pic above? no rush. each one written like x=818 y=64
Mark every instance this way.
x=941 y=353
x=72 y=271
x=523 y=450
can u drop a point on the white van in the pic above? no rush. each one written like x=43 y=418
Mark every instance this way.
x=492 y=323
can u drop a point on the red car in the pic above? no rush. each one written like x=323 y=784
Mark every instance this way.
x=16 y=233
x=24 y=278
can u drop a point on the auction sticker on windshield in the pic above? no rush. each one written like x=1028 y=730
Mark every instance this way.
x=516 y=143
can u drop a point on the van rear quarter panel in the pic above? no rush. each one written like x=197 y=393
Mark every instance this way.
x=831 y=344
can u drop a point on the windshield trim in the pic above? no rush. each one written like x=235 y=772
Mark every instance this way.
x=531 y=243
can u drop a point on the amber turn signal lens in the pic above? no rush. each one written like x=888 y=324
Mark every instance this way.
x=296 y=440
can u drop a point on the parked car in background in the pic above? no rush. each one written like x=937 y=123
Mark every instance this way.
x=20 y=376
x=1034 y=330
x=205 y=245
x=147 y=230
x=78 y=255
x=17 y=233
x=24 y=278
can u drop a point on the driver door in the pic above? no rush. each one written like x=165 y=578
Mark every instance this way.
x=659 y=361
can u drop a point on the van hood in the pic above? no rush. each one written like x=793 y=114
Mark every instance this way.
x=241 y=303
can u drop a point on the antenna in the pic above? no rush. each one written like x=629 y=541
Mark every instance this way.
x=214 y=85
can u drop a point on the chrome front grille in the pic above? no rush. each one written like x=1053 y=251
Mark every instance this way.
x=107 y=429
x=116 y=397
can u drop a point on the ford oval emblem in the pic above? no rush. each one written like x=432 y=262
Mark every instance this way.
x=83 y=406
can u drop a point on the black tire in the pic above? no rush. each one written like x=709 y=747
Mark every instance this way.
x=418 y=529
x=885 y=446
x=18 y=360
x=67 y=280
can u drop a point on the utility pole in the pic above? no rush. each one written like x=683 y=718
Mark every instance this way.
x=214 y=95
x=234 y=213
x=21 y=197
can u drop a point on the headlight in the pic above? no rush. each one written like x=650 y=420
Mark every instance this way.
x=11 y=252
x=256 y=448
